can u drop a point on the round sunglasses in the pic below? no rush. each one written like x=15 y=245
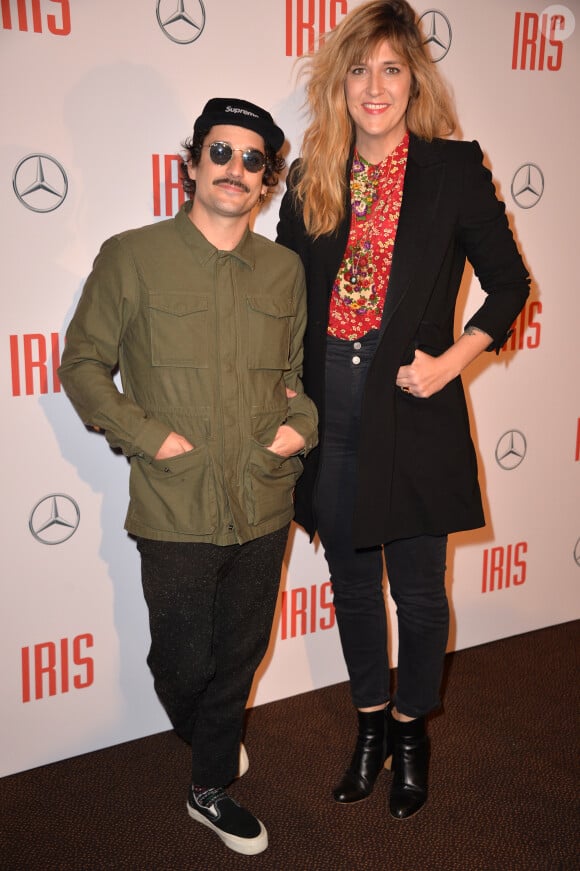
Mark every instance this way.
x=222 y=152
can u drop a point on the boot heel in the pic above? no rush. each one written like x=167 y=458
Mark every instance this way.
x=389 y=738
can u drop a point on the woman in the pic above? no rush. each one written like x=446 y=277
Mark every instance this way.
x=384 y=213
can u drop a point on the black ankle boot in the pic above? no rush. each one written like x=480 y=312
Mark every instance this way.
x=368 y=758
x=410 y=765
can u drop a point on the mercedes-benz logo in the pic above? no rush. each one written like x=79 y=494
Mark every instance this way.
x=527 y=185
x=54 y=519
x=182 y=25
x=577 y=553
x=40 y=183
x=511 y=449
x=561 y=15
x=439 y=36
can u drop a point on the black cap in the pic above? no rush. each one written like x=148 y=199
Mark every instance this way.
x=240 y=113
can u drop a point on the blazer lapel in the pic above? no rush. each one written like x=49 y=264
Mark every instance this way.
x=329 y=250
x=420 y=206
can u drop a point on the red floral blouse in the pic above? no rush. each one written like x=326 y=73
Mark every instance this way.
x=359 y=291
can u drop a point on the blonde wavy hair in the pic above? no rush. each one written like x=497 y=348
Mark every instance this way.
x=320 y=185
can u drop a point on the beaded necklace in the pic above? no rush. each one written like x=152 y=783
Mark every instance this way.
x=368 y=214
x=360 y=286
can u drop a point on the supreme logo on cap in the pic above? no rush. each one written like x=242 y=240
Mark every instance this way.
x=238 y=111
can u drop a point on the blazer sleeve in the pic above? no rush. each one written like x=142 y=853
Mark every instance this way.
x=490 y=247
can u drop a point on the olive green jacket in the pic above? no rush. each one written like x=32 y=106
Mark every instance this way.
x=207 y=342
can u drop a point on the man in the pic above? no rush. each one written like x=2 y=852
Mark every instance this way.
x=205 y=319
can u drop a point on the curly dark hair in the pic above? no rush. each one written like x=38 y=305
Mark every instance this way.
x=275 y=163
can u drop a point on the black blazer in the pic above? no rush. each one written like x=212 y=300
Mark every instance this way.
x=417 y=465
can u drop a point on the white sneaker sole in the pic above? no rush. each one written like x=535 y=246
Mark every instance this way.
x=247 y=846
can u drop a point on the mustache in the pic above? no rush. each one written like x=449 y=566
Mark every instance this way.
x=232 y=181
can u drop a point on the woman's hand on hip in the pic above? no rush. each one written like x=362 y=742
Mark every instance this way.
x=425 y=376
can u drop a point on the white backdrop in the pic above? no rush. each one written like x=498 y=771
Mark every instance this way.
x=96 y=99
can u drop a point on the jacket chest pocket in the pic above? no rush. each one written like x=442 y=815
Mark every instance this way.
x=269 y=329
x=179 y=325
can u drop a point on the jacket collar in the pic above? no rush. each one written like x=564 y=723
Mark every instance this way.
x=202 y=249
x=424 y=153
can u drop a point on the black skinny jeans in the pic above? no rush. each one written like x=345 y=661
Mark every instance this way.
x=210 y=614
x=415 y=566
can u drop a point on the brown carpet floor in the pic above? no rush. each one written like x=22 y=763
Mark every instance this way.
x=504 y=784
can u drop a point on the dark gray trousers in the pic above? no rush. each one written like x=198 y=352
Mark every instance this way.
x=210 y=615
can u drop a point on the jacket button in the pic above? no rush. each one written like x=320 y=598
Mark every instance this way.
x=356 y=360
